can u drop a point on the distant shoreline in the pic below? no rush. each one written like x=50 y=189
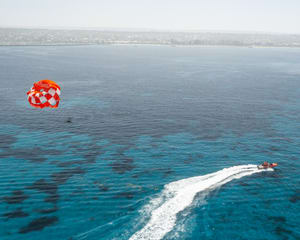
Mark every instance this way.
x=47 y=37
x=136 y=44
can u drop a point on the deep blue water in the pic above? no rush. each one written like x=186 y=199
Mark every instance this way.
x=143 y=117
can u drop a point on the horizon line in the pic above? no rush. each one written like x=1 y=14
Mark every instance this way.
x=116 y=29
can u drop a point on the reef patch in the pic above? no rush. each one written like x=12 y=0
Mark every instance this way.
x=15 y=214
x=38 y=224
x=18 y=196
x=63 y=176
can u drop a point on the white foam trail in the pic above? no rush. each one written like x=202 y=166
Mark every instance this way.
x=178 y=195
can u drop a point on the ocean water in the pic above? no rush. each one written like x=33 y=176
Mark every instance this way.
x=163 y=143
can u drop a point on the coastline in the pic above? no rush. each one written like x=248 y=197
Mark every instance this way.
x=138 y=44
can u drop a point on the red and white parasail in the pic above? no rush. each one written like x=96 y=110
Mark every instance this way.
x=44 y=93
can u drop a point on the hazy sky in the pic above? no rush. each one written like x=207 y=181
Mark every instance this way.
x=233 y=15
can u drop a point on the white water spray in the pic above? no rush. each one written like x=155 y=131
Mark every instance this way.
x=179 y=195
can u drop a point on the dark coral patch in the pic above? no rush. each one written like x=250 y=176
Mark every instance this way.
x=211 y=137
x=280 y=219
x=15 y=214
x=91 y=156
x=47 y=210
x=63 y=176
x=295 y=198
x=280 y=231
x=33 y=155
x=18 y=196
x=151 y=171
x=53 y=198
x=43 y=186
x=243 y=184
x=6 y=141
x=157 y=155
x=123 y=165
x=128 y=195
x=189 y=160
x=38 y=224
x=51 y=152
x=282 y=139
x=70 y=163
x=168 y=172
x=274 y=149
x=22 y=154
x=49 y=188
x=101 y=186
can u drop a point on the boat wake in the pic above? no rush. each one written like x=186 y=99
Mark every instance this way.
x=177 y=196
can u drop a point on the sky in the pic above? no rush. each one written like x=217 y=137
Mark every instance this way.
x=272 y=16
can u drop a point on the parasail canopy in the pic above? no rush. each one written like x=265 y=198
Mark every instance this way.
x=44 y=93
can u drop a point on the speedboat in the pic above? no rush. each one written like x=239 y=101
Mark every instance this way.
x=266 y=165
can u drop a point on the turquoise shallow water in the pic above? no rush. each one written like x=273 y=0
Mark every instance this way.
x=142 y=118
